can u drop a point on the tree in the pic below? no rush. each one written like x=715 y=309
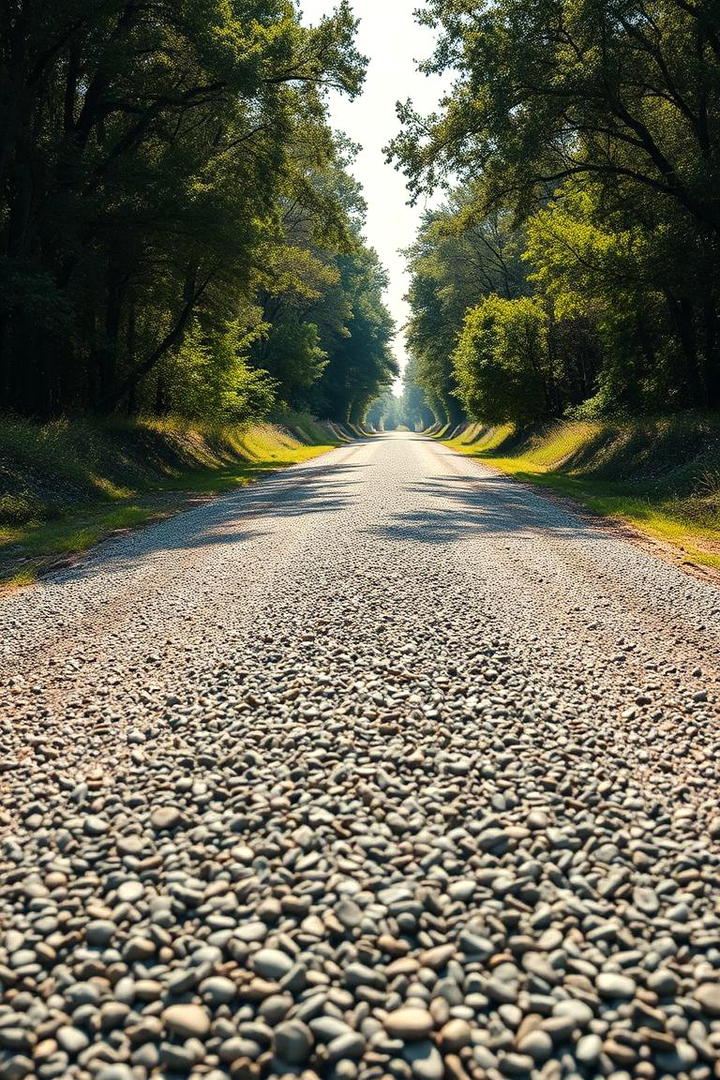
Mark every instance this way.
x=456 y=259
x=553 y=96
x=605 y=281
x=145 y=152
x=385 y=413
x=361 y=363
x=211 y=378
x=415 y=410
x=503 y=363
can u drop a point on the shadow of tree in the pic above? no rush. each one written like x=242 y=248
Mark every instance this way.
x=460 y=506
x=227 y=519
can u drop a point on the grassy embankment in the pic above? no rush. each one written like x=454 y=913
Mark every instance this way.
x=67 y=485
x=661 y=476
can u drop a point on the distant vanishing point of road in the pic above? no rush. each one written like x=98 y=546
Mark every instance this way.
x=385 y=766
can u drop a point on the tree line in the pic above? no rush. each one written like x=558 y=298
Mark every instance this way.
x=574 y=265
x=179 y=231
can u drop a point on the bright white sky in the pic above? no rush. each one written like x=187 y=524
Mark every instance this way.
x=392 y=40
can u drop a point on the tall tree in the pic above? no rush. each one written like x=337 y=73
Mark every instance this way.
x=554 y=95
x=457 y=258
x=143 y=151
x=361 y=363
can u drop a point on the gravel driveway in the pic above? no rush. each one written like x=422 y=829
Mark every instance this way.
x=384 y=767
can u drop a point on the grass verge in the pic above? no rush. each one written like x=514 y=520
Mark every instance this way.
x=68 y=485
x=659 y=475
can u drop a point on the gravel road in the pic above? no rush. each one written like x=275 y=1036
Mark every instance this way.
x=384 y=767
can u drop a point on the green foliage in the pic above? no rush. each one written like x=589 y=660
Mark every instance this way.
x=622 y=92
x=502 y=363
x=454 y=260
x=620 y=282
x=386 y=412
x=173 y=204
x=212 y=378
x=358 y=343
x=293 y=354
x=595 y=127
x=415 y=411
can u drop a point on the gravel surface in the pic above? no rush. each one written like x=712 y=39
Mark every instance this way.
x=386 y=767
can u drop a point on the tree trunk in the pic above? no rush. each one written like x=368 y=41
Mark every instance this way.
x=106 y=359
x=682 y=313
x=712 y=352
x=192 y=293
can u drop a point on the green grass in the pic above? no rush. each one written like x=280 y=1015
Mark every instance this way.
x=66 y=486
x=660 y=475
x=37 y=541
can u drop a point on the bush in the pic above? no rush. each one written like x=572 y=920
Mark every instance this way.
x=502 y=363
x=212 y=380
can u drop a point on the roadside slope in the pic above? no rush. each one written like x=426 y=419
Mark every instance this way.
x=64 y=486
x=659 y=475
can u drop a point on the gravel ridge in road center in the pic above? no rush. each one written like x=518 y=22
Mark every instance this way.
x=384 y=767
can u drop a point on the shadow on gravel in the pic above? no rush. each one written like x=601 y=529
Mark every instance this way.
x=462 y=507
x=300 y=491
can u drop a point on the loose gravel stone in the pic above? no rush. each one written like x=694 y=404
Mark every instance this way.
x=588 y=1049
x=455 y=1035
x=386 y=766
x=708 y=995
x=611 y=985
x=187 y=1020
x=165 y=818
x=272 y=963
x=348 y=1045
x=293 y=1042
x=409 y=1023
x=425 y=1060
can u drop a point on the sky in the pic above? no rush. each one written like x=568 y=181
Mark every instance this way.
x=389 y=36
